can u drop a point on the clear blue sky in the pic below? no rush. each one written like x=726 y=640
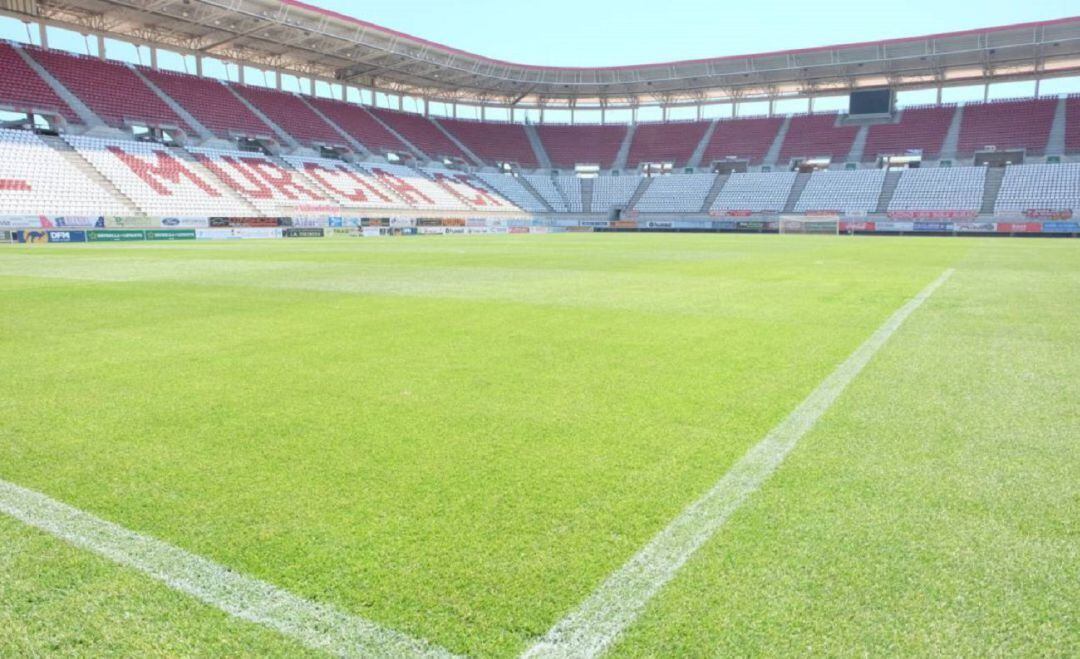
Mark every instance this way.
x=618 y=32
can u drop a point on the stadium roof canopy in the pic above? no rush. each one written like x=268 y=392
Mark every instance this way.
x=290 y=36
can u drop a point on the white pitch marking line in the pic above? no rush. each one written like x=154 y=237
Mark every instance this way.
x=317 y=626
x=592 y=628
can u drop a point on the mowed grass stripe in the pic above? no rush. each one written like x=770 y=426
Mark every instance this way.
x=596 y=624
x=314 y=625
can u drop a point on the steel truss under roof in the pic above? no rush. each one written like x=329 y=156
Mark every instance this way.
x=292 y=37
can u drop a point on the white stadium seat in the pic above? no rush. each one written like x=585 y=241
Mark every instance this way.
x=843 y=191
x=767 y=192
x=35 y=179
x=940 y=189
x=676 y=194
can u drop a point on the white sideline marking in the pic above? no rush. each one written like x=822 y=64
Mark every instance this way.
x=317 y=626
x=593 y=627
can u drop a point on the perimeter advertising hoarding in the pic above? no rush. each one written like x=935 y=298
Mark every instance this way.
x=847 y=226
x=693 y=224
x=185 y=222
x=934 y=227
x=1049 y=214
x=342 y=232
x=117 y=236
x=5 y=236
x=624 y=224
x=895 y=227
x=303 y=232
x=751 y=225
x=237 y=234
x=32 y=236
x=170 y=234
x=976 y=227
x=595 y=224
x=1061 y=227
x=652 y=224
x=309 y=222
x=725 y=225
x=250 y=222
x=933 y=215
x=1019 y=227
x=67 y=236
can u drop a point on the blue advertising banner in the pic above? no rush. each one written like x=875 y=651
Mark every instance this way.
x=934 y=227
x=1061 y=227
x=67 y=236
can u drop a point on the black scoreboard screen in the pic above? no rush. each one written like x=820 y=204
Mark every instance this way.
x=873 y=101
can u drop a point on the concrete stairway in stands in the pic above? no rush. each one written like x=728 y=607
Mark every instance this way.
x=773 y=154
x=642 y=188
x=1055 y=146
x=461 y=145
x=540 y=198
x=951 y=144
x=714 y=192
x=994 y=178
x=624 y=149
x=68 y=153
x=796 y=191
x=888 y=190
x=285 y=138
x=203 y=132
x=85 y=114
x=538 y=147
x=587 y=186
x=699 y=152
x=349 y=139
x=562 y=195
x=412 y=147
x=858 y=147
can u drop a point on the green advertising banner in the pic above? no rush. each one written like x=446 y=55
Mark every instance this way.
x=175 y=234
x=115 y=236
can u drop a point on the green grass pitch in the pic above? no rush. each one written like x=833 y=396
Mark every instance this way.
x=460 y=438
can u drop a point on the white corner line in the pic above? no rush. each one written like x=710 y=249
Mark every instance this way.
x=594 y=626
x=314 y=625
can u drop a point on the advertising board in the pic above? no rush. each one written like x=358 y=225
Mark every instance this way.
x=302 y=232
x=116 y=236
x=67 y=236
x=170 y=234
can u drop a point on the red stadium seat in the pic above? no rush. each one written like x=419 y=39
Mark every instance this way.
x=357 y=122
x=291 y=115
x=494 y=142
x=568 y=146
x=110 y=89
x=423 y=134
x=744 y=139
x=671 y=142
x=210 y=102
x=922 y=128
x=21 y=88
x=817 y=135
x=1023 y=124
